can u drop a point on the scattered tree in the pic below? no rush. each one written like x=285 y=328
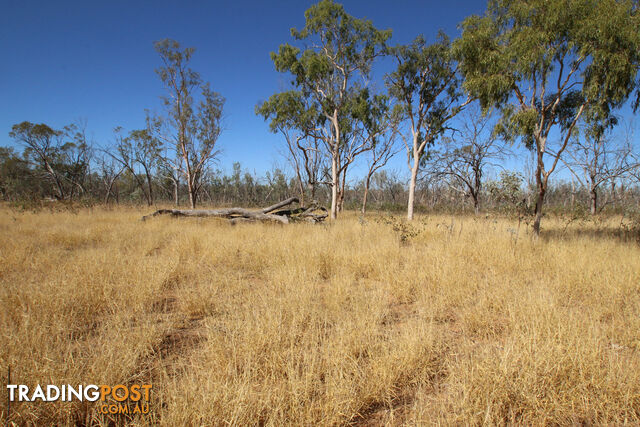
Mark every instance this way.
x=382 y=150
x=193 y=127
x=298 y=122
x=545 y=64
x=139 y=150
x=61 y=155
x=427 y=88
x=597 y=158
x=340 y=50
x=465 y=157
x=110 y=170
x=16 y=178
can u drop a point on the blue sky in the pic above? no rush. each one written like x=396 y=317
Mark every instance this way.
x=94 y=60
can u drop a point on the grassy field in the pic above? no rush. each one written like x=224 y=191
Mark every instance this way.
x=451 y=320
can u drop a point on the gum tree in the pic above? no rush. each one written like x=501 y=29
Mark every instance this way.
x=192 y=127
x=427 y=89
x=43 y=144
x=140 y=150
x=291 y=116
x=61 y=156
x=381 y=152
x=330 y=73
x=598 y=157
x=466 y=156
x=546 y=64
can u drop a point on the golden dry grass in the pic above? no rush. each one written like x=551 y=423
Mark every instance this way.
x=333 y=324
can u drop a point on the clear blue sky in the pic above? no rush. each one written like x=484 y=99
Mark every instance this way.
x=94 y=60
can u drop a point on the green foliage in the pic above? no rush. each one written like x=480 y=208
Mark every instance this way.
x=348 y=44
x=369 y=110
x=62 y=156
x=404 y=230
x=550 y=57
x=194 y=114
x=514 y=123
x=289 y=110
x=426 y=87
x=507 y=191
x=340 y=47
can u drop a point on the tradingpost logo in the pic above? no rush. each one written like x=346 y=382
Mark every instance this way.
x=117 y=399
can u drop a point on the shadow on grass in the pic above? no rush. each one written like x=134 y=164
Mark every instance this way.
x=620 y=234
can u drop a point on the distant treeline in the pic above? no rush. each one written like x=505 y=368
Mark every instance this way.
x=549 y=76
x=99 y=180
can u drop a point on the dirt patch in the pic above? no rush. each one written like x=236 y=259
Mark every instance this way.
x=166 y=304
x=378 y=413
x=398 y=313
x=183 y=335
x=181 y=339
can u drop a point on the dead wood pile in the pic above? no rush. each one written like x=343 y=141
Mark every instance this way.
x=312 y=213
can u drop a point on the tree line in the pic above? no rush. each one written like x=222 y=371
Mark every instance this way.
x=551 y=77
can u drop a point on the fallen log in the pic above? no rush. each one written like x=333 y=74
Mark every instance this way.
x=312 y=213
x=280 y=205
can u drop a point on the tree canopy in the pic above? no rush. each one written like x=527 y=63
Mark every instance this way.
x=330 y=80
x=546 y=64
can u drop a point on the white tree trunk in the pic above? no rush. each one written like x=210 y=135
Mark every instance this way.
x=412 y=187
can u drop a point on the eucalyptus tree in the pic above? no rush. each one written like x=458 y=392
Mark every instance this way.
x=427 y=89
x=75 y=157
x=597 y=157
x=169 y=176
x=61 y=156
x=373 y=128
x=382 y=150
x=190 y=126
x=377 y=127
x=331 y=73
x=147 y=151
x=291 y=115
x=17 y=178
x=129 y=151
x=466 y=156
x=41 y=145
x=545 y=64
x=110 y=170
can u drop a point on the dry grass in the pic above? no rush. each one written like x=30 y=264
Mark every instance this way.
x=344 y=323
